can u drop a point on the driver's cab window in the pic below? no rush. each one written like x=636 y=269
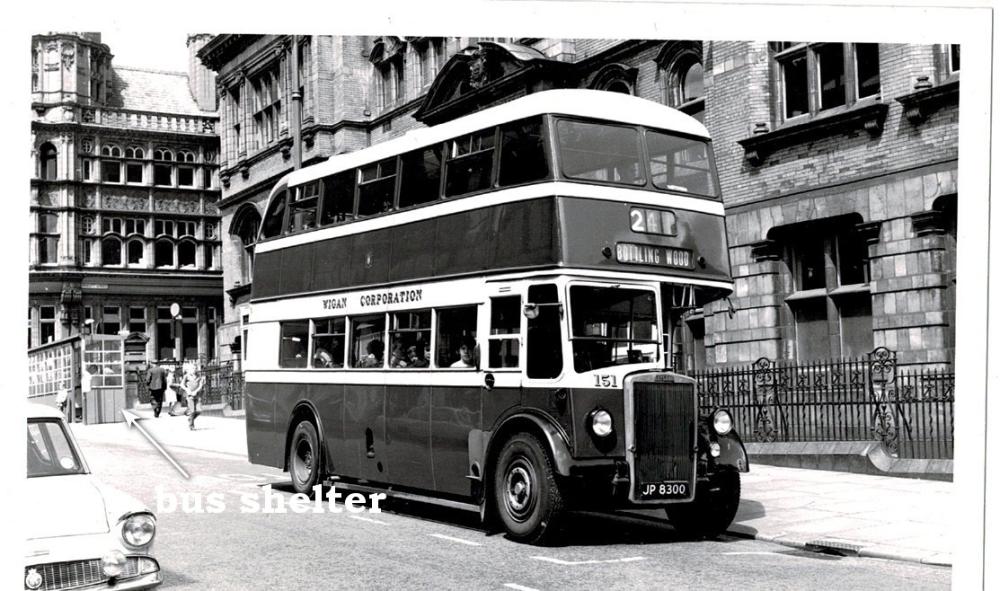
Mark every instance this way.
x=505 y=332
x=544 y=332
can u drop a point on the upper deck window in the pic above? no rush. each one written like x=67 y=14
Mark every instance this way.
x=680 y=164
x=275 y=216
x=338 y=198
x=421 y=180
x=302 y=210
x=376 y=187
x=600 y=152
x=470 y=163
x=522 y=153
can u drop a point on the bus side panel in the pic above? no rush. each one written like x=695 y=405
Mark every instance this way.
x=455 y=411
x=331 y=263
x=267 y=271
x=296 y=269
x=285 y=399
x=412 y=251
x=263 y=446
x=526 y=234
x=329 y=401
x=586 y=400
x=364 y=426
x=460 y=241
x=370 y=254
x=408 y=435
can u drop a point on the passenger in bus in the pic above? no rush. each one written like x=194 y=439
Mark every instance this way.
x=322 y=358
x=398 y=357
x=376 y=349
x=417 y=355
x=465 y=353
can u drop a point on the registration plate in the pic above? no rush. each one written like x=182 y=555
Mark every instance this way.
x=664 y=490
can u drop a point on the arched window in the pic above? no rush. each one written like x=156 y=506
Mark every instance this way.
x=163 y=154
x=615 y=78
x=243 y=231
x=682 y=77
x=163 y=253
x=111 y=251
x=134 y=152
x=186 y=254
x=49 y=159
x=185 y=156
x=136 y=252
x=111 y=150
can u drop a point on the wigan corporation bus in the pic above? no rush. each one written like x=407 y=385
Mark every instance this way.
x=478 y=314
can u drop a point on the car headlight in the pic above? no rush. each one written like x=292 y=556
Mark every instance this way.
x=722 y=422
x=601 y=423
x=139 y=529
x=113 y=563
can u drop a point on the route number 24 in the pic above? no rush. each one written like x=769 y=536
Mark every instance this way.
x=606 y=381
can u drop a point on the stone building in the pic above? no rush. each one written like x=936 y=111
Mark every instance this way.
x=124 y=199
x=837 y=163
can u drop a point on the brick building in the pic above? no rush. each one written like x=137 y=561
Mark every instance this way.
x=123 y=199
x=837 y=161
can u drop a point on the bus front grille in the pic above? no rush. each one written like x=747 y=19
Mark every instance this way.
x=665 y=418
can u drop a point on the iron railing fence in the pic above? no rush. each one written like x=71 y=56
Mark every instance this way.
x=863 y=399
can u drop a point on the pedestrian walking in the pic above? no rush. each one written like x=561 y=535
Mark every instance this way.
x=170 y=394
x=191 y=385
x=156 y=380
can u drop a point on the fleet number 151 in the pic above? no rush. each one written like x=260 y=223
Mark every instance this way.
x=606 y=381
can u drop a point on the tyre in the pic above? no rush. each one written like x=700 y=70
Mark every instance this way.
x=713 y=509
x=526 y=490
x=304 y=461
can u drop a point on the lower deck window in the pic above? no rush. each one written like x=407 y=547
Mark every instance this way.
x=367 y=344
x=328 y=343
x=294 y=343
x=456 y=337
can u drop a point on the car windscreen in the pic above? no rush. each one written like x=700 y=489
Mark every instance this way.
x=613 y=326
x=50 y=452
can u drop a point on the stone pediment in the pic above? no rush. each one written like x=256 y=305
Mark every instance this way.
x=487 y=74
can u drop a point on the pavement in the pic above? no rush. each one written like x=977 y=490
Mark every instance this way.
x=864 y=515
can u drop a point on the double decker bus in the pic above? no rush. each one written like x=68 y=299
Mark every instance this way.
x=479 y=314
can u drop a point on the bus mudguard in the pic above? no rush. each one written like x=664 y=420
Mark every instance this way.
x=553 y=436
x=732 y=452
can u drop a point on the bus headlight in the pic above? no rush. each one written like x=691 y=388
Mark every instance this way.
x=601 y=423
x=722 y=422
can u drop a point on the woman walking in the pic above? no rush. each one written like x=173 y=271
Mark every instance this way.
x=192 y=384
x=170 y=395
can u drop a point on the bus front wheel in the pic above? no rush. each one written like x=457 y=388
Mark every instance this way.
x=526 y=490
x=304 y=458
x=713 y=509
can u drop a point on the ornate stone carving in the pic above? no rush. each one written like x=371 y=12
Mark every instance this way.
x=68 y=56
x=89 y=198
x=176 y=204
x=48 y=197
x=125 y=201
x=208 y=126
x=88 y=115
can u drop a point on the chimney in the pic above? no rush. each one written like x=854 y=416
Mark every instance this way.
x=201 y=80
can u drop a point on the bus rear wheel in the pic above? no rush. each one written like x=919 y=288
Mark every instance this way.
x=304 y=459
x=713 y=509
x=526 y=491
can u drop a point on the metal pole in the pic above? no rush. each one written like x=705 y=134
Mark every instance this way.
x=296 y=107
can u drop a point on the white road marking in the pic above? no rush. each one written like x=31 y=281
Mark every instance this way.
x=519 y=587
x=459 y=540
x=577 y=562
x=369 y=520
x=750 y=553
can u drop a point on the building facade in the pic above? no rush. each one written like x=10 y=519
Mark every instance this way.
x=838 y=164
x=124 y=199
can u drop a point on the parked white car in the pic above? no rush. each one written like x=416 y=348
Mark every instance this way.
x=90 y=536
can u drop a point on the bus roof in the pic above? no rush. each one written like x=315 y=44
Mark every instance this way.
x=596 y=104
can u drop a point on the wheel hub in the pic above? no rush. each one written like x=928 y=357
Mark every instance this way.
x=519 y=490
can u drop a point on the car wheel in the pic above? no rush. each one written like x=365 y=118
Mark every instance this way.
x=713 y=509
x=526 y=490
x=304 y=462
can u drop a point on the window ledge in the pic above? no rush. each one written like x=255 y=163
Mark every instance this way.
x=808 y=294
x=853 y=288
x=917 y=105
x=866 y=115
